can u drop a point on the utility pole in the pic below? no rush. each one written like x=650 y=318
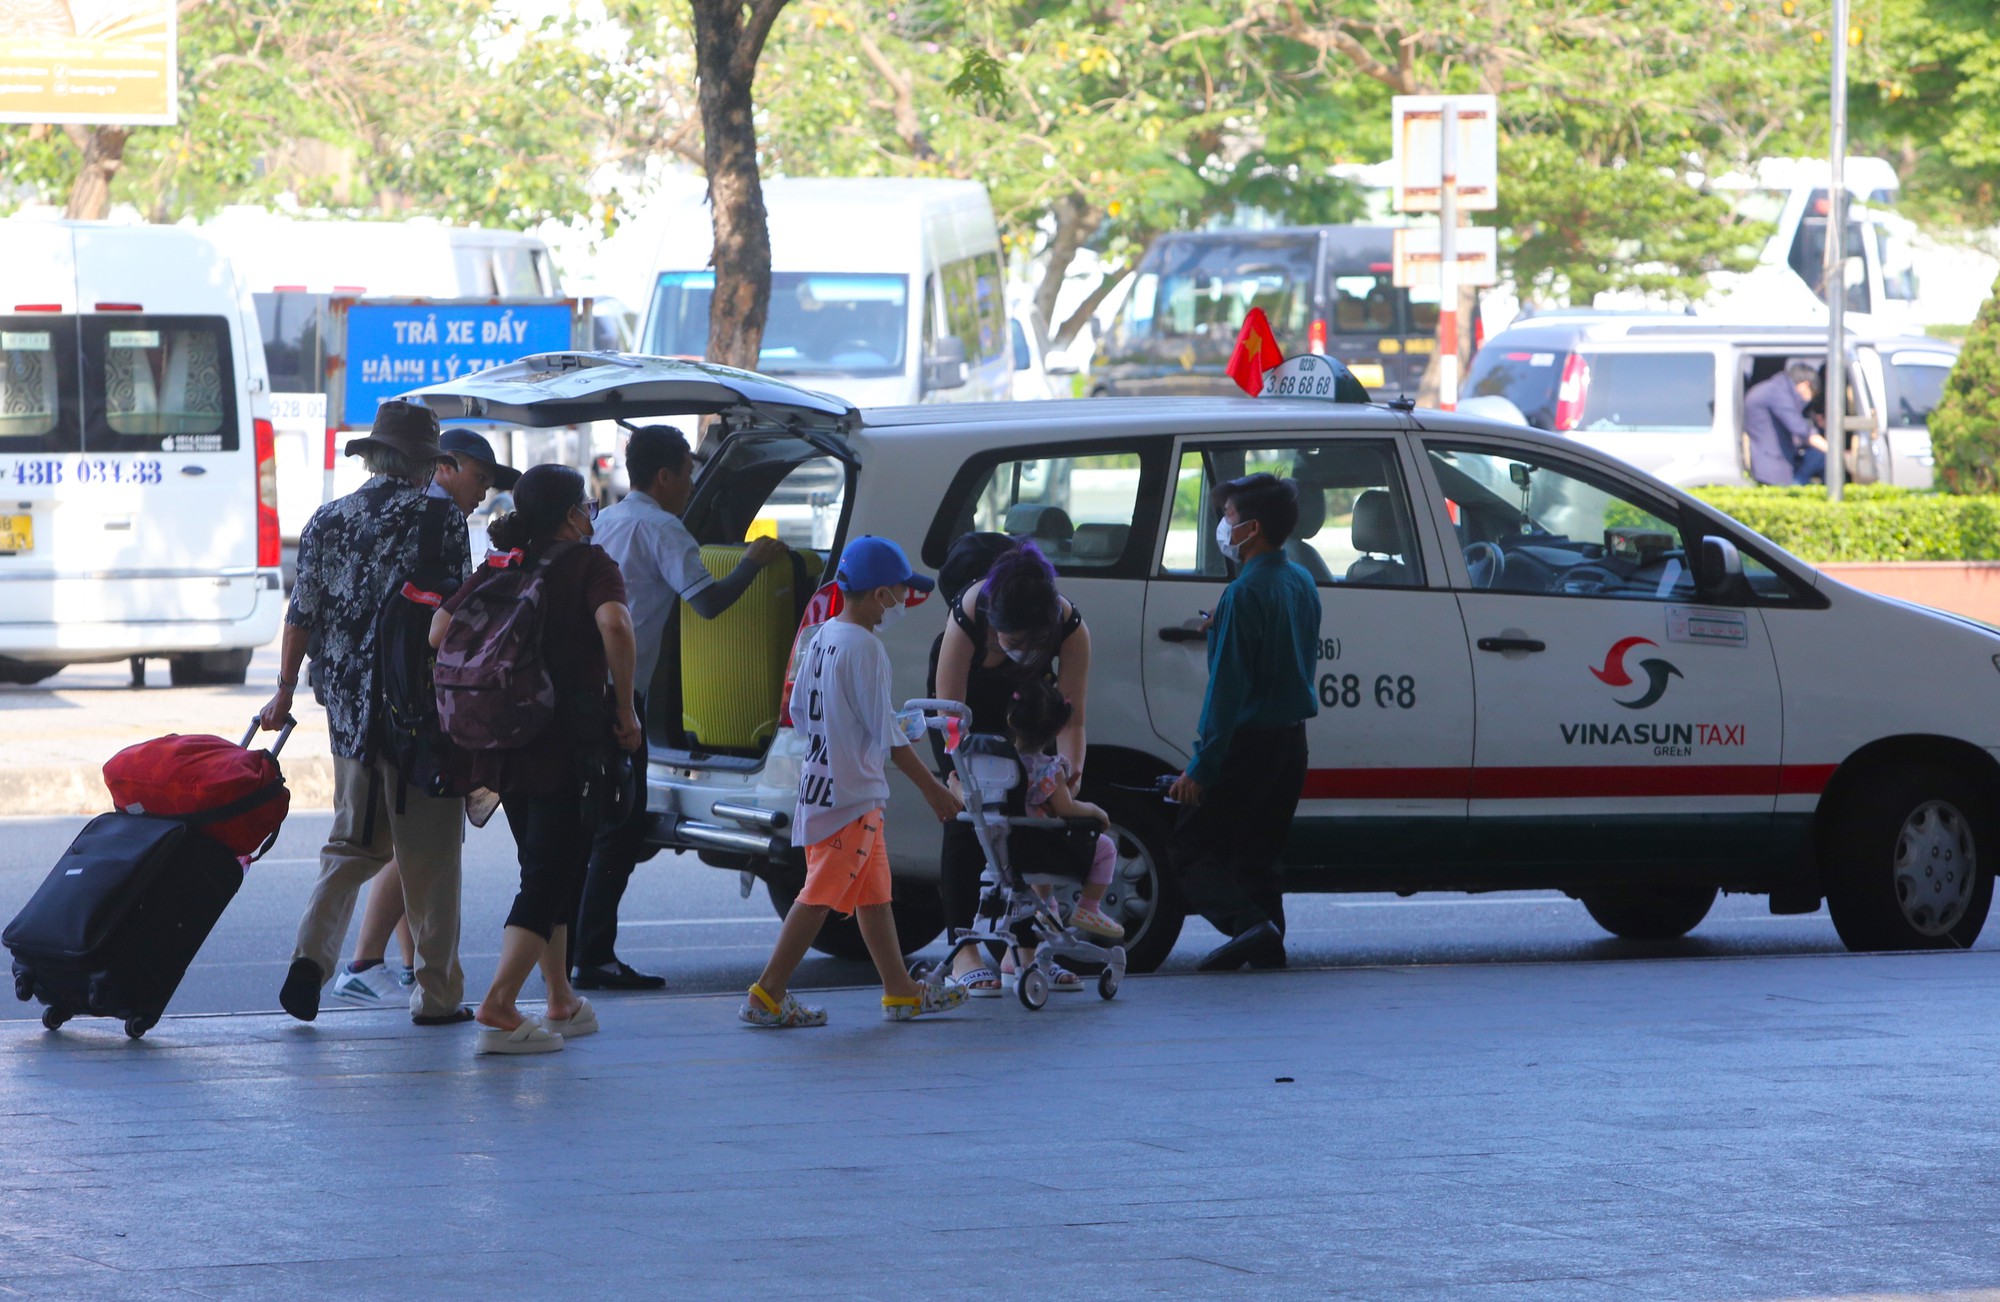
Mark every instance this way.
x=1447 y=340
x=1836 y=267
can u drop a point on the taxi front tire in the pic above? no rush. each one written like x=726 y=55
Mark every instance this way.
x=1907 y=859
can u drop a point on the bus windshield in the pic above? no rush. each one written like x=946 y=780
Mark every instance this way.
x=820 y=322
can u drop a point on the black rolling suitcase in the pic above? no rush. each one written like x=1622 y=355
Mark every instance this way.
x=116 y=924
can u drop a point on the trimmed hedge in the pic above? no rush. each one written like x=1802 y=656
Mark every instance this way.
x=1875 y=523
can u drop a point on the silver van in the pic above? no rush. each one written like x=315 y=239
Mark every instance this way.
x=1666 y=393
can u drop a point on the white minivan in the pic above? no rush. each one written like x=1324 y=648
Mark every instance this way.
x=294 y=266
x=883 y=291
x=138 y=490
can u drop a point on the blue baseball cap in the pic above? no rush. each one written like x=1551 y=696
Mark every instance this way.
x=870 y=562
x=467 y=443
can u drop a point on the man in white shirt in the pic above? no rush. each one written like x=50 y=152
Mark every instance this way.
x=662 y=563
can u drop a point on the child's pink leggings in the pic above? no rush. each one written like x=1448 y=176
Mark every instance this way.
x=1103 y=861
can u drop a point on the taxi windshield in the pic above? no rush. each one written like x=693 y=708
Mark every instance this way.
x=820 y=322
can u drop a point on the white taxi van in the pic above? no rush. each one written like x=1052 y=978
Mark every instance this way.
x=138 y=493
x=1539 y=667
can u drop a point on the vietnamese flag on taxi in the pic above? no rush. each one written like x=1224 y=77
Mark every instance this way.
x=1256 y=352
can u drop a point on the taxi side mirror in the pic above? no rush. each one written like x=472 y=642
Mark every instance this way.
x=1721 y=573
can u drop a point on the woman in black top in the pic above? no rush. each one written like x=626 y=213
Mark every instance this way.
x=1010 y=627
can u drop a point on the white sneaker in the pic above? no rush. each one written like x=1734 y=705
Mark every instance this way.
x=375 y=988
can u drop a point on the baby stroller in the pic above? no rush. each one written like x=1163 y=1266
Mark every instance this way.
x=1022 y=853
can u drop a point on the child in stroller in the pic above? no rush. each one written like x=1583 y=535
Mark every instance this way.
x=1029 y=852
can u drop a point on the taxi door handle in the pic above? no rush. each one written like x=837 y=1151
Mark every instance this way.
x=1179 y=633
x=1512 y=644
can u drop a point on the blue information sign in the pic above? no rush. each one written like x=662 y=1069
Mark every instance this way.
x=395 y=347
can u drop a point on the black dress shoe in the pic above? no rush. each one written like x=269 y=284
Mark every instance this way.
x=299 y=996
x=1261 y=946
x=616 y=975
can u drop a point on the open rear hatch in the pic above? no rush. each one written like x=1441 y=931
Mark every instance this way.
x=780 y=465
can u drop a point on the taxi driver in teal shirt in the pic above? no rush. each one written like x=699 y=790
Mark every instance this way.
x=1242 y=785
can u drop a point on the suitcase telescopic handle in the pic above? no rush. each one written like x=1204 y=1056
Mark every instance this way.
x=278 y=745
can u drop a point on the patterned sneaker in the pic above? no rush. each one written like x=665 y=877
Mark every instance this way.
x=759 y=1009
x=1095 y=923
x=375 y=988
x=407 y=977
x=933 y=999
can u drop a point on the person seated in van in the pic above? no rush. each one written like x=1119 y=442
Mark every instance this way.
x=661 y=563
x=1784 y=446
x=554 y=786
x=352 y=553
x=468 y=472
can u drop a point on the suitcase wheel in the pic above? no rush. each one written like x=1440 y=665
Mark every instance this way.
x=53 y=1018
x=138 y=1025
x=24 y=986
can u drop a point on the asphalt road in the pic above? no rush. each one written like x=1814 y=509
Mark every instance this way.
x=688 y=921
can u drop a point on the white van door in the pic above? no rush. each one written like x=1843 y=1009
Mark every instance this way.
x=1391 y=748
x=1654 y=407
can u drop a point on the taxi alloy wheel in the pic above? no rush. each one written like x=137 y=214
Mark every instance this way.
x=1143 y=897
x=1908 y=863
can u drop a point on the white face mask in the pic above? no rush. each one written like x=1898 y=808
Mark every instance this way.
x=891 y=614
x=1019 y=655
x=1223 y=532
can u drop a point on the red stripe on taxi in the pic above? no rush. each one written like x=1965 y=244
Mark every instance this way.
x=1576 y=782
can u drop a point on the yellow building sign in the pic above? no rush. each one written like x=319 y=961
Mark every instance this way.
x=91 y=61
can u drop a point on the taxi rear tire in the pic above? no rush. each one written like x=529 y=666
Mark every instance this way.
x=1650 y=912
x=1145 y=896
x=915 y=905
x=23 y=674
x=1907 y=859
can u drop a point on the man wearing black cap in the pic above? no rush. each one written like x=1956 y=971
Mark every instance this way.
x=467 y=473
x=352 y=552
x=470 y=471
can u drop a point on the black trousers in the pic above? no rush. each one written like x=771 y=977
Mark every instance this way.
x=1226 y=849
x=617 y=850
x=554 y=848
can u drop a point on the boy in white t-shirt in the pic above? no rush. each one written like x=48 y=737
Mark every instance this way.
x=842 y=703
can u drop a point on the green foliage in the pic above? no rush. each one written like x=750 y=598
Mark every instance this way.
x=1965 y=426
x=1874 y=523
x=1926 y=94
x=452 y=108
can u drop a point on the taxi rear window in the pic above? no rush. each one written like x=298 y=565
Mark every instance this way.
x=38 y=393
x=158 y=384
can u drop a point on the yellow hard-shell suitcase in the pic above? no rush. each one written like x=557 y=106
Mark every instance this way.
x=733 y=666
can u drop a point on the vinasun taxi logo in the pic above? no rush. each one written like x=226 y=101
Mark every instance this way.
x=1656 y=673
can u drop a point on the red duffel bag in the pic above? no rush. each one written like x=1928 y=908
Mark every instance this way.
x=226 y=791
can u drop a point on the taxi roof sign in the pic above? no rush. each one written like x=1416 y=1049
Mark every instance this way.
x=1311 y=375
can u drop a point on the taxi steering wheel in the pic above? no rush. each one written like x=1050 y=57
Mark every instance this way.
x=1484 y=560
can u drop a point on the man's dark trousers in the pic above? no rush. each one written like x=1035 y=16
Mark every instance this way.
x=617 y=849
x=1226 y=849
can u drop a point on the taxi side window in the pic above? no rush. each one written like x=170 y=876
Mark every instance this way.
x=1082 y=509
x=1531 y=527
x=1354 y=515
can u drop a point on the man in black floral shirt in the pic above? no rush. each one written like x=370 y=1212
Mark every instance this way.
x=351 y=553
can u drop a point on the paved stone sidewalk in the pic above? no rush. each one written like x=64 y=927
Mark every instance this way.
x=1664 y=1129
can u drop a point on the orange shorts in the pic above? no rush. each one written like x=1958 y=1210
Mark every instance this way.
x=850 y=868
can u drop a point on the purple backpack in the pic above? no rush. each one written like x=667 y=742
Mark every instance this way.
x=493 y=688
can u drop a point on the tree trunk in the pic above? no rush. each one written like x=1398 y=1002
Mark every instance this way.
x=1076 y=221
x=103 y=154
x=729 y=37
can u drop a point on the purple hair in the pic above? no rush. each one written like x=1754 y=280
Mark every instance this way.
x=1021 y=594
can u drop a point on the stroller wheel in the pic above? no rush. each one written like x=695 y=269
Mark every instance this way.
x=140 y=1023
x=921 y=969
x=1033 y=987
x=1107 y=984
